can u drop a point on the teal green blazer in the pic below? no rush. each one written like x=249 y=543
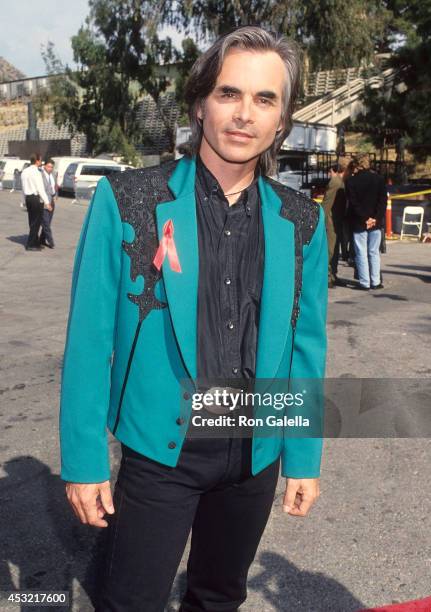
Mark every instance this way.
x=103 y=322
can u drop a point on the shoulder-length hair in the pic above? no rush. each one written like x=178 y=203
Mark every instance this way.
x=205 y=70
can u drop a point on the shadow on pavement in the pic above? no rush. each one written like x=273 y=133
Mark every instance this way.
x=20 y=239
x=289 y=589
x=45 y=547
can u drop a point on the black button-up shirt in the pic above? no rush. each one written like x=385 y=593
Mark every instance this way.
x=231 y=257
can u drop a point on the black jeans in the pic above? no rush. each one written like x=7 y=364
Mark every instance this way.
x=212 y=492
x=35 y=215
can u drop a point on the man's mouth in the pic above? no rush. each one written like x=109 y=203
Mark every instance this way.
x=239 y=134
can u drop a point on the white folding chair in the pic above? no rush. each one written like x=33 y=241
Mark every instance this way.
x=413 y=211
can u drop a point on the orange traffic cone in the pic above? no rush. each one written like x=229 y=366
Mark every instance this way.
x=389 y=219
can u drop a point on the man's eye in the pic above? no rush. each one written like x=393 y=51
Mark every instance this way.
x=228 y=94
x=265 y=100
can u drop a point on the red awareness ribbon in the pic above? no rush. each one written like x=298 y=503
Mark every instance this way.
x=167 y=245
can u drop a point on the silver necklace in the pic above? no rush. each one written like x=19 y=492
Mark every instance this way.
x=235 y=192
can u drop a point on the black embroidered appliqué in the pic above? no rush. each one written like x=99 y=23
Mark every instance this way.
x=137 y=193
x=304 y=213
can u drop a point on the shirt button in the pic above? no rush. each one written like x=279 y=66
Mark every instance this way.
x=235 y=370
x=227 y=281
x=179 y=421
x=230 y=325
x=227 y=232
x=171 y=445
x=186 y=395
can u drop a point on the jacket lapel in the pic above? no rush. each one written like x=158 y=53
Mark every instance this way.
x=182 y=287
x=278 y=284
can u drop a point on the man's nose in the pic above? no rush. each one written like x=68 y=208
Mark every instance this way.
x=243 y=110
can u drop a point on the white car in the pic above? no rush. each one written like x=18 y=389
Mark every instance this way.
x=60 y=166
x=88 y=175
x=88 y=171
x=10 y=171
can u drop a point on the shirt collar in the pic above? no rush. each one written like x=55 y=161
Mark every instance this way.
x=212 y=187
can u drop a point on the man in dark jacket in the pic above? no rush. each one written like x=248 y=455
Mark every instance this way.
x=367 y=198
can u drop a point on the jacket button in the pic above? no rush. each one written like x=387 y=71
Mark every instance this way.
x=186 y=395
x=179 y=421
x=171 y=445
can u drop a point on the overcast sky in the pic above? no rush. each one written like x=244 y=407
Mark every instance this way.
x=28 y=24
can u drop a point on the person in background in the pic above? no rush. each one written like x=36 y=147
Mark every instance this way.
x=334 y=206
x=367 y=198
x=347 y=250
x=46 y=238
x=36 y=199
x=15 y=186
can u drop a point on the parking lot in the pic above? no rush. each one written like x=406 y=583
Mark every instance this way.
x=367 y=541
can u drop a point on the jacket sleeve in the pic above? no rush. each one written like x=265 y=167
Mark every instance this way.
x=329 y=197
x=41 y=189
x=301 y=456
x=85 y=379
x=382 y=200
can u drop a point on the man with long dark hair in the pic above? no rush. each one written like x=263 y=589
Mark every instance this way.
x=202 y=269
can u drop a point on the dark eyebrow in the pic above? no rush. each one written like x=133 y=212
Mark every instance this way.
x=227 y=89
x=261 y=94
x=267 y=94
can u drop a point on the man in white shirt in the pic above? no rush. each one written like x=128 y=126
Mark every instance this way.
x=46 y=238
x=36 y=199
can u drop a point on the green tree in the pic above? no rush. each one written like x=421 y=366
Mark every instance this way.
x=406 y=107
x=342 y=34
x=135 y=51
x=208 y=19
x=185 y=60
x=118 y=53
x=335 y=33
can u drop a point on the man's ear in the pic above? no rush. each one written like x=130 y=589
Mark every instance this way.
x=200 y=112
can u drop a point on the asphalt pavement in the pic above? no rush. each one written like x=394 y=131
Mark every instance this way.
x=366 y=542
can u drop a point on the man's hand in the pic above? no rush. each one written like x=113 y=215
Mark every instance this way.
x=300 y=495
x=370 y=222
x=90 y=502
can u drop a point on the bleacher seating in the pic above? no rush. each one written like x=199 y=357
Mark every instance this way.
x=154 y=132
x=48 y=131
